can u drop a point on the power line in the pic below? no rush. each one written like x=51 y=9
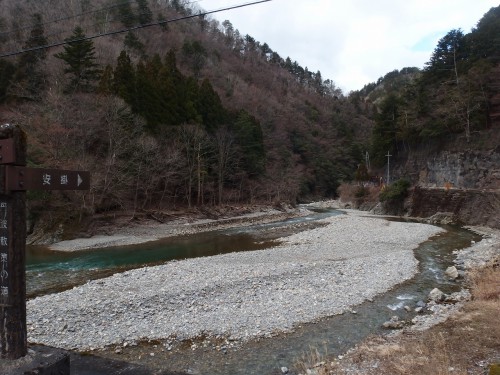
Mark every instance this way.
x=118 y=5
x=159 y=23
x=64 y=18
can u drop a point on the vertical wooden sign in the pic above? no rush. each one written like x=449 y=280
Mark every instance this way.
x=15 y=179
x=5 y=288
x=13 y=333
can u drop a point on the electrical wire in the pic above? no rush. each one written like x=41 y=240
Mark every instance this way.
x=63 y=19
x=158 y=23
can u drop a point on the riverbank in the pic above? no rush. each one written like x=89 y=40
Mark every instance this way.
x=132 y=232
x=238 y=296
x=434 y=342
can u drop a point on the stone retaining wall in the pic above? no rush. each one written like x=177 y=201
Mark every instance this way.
x=467 y=206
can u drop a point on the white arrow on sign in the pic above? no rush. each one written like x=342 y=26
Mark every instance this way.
x=79 y=180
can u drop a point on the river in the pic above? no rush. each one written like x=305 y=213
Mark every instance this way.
x=49 y=271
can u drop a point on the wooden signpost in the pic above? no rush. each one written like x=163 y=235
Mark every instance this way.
x=15 y=179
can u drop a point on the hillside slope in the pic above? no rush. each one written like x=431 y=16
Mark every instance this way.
x=187 y=113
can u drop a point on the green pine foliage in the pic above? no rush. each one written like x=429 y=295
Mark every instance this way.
x=123 y=82
x=133 y=44
x=210 y=107
x=7 y=71
x=450 y=97
x=164 y=97
x=125 y=13
x=29 y=75
x=196 y=56
x=144 y=13
x=251 y=141
x=79 y=56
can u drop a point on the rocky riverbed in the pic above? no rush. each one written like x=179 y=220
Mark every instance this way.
x=237 y=296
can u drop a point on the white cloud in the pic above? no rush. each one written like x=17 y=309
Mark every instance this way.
x=352 y=42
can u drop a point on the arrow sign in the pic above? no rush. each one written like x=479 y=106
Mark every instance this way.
x=24 y=178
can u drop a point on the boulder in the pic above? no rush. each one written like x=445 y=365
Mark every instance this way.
x=451 y=273
x=436 y=295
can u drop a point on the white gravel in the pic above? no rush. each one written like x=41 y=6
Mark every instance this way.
x=313 y=274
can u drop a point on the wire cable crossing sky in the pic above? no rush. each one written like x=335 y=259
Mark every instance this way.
x=158 y=23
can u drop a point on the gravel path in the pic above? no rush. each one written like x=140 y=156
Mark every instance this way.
x=240 y=296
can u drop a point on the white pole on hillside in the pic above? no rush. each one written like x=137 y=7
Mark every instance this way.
x=388 y=167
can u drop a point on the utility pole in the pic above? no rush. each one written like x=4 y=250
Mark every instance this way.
x=388 y=167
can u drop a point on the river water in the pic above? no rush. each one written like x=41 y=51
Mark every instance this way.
x=49 y=271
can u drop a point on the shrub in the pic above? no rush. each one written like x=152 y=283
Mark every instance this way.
x=396 y=192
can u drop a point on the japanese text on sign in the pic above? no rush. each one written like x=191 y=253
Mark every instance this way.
x=4 y=251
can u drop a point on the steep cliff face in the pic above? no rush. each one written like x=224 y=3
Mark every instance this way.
x=467 y=170
x=453 y=163
x=466 y=206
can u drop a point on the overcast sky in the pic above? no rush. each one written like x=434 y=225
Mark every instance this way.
x=352 y=42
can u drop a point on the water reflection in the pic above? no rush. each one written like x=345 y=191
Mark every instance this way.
x=52 y=271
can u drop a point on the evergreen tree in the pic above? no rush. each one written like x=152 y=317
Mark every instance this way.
x=196 y=54
x=29 y=74
x=106 y=82
x=133 y=43
x=145 y=15
x=7 y=70
x=172 y=88
x=79 y=55
x=148 y=101
x=124 y=78
x=191 y=100
x=448 y=54
x=125 y=14
x=251 y=141
x=3 y=27
x=485 y=38
x=153 y=67
x=210 y=107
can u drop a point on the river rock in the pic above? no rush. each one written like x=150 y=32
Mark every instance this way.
x=456 y=297
x=451 y=273
x=249 y=295
x=436 y=295
x=394 y=323
x=421 y=304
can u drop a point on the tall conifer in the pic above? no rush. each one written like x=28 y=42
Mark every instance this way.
x=79 y=55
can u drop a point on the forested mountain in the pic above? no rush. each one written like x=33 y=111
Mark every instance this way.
x=181 y=113
x=169 y=108
x=455 y=98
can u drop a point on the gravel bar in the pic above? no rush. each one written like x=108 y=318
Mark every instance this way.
x=238 y=296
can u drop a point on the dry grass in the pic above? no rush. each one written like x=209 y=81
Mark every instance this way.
x=356 y=195
x=467 y=343
x=486 y=283
x=313 y=360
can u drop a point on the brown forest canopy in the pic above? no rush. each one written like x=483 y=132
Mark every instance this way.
x=187 y=112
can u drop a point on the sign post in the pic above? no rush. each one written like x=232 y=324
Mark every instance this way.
x=15 y=179
x=13 y=336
